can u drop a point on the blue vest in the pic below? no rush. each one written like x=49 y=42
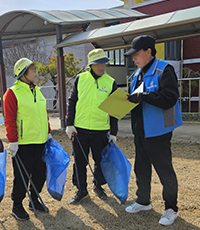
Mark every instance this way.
x=157 y=121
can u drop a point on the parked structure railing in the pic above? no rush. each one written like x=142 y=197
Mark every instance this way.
x=188 y=97
x=49 y=92
x=51 y=95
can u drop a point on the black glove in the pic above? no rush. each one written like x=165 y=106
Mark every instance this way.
x=1 y=146
x=137 y=97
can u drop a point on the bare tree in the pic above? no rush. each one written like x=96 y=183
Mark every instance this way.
x=30 y=48
x=36 y=51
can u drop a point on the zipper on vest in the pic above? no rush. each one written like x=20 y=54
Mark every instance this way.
x=96 y=81
x=21 y=128
x=34 y=95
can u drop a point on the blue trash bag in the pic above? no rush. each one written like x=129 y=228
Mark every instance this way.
x=57 y=161
x=2 y=173
x=116 y=170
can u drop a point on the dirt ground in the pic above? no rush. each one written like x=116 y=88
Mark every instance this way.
x=96 y=214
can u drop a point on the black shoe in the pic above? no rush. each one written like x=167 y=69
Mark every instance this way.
x=38 y=206
x=100 y=192
x=80 y=195
x=19 y=212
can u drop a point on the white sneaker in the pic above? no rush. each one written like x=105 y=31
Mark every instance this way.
x=134 y=208
x=168 y=217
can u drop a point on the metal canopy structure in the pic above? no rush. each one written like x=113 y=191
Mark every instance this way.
x=35 y=23
x=180 y=24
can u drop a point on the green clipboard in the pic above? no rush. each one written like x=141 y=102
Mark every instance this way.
x=116 y=104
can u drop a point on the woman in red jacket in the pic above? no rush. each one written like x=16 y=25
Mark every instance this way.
x=27 y=131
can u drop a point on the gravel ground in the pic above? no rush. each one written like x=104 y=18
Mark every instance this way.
x=94 y=213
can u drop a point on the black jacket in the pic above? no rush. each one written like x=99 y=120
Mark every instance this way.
x=165 y=98
x=71 y=108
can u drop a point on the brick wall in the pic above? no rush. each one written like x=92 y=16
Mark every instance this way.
x=191 y=48
x=167 y=6
x=195 y=66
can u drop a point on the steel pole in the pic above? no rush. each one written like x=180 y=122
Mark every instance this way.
x=2 y=76
x=61 y=78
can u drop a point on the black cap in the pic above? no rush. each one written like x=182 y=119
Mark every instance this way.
x=141 y=42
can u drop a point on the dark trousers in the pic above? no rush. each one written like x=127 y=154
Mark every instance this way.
x=96 y=142
x=155 y=151
x=31 y=156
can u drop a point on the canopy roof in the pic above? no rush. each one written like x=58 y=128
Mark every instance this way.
x=35 y=23
x=180 y=24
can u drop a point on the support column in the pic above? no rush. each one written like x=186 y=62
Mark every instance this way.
x=61 y=78
x=181 y=70
x=2 y=75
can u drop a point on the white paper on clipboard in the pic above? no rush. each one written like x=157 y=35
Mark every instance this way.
x=140 y=89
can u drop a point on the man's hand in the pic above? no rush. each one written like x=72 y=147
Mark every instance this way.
x=13 y=148
x=70 y=130
x=135 y=98
x=112 y=138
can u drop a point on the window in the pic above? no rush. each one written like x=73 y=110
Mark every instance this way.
x=122 y=57
x=173 y=50
x=118 y=56
x=112 y=23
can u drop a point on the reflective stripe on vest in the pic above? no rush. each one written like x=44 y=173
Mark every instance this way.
x=157 y=121
x=91 y=93
x=32 y=122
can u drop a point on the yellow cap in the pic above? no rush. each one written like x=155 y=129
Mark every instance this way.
x=22 y=65
x=97 y=56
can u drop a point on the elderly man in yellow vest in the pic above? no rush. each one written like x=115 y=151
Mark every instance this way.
x=90 y=123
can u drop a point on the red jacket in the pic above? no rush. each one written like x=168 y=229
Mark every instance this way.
x=10 y=109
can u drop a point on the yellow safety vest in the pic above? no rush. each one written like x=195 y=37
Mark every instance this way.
x=32 y=121
x=91 y=93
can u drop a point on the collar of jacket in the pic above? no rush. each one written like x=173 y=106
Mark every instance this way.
x=24 y=85
x=147 y=66
x=95 y=76
x=152 y=68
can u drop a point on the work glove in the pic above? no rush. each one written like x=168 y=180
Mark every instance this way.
x=49 y=136
x=137 y=97
x=13 y=148
x=112 y=138
x=70 y=130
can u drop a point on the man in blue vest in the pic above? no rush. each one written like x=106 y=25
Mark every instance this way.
x=153 y=121
x=90 y=123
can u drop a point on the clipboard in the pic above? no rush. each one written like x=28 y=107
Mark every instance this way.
x=116 y=104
